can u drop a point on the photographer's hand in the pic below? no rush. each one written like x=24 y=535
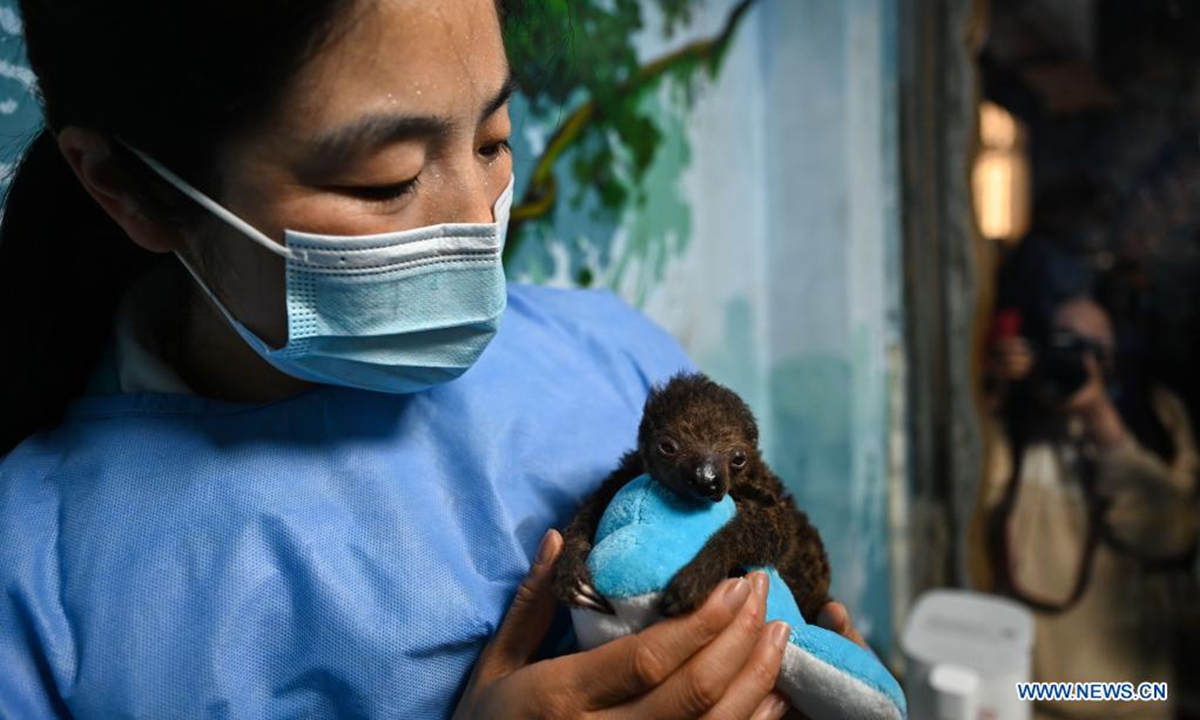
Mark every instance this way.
x=1012 y=359
x=1092 y=404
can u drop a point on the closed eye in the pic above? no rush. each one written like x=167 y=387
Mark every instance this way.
x=380 y=193
x=496 y=149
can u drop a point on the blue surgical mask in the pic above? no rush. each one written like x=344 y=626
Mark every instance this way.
x=395 y=312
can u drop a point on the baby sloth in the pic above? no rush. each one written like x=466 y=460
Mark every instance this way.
x=700 y=440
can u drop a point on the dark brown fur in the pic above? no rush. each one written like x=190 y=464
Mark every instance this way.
x=700 y=439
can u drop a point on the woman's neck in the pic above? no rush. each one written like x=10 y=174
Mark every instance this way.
x=214 y=361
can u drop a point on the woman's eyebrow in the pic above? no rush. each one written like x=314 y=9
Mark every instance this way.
x=375 y=130
x=501 y=97
x=380 y=129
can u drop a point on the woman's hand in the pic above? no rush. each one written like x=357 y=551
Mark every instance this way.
x=718 y=662
x=1092 y=403
x=834 y=617
x=1013 y=359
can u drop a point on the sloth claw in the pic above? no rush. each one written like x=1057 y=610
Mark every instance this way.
x=586 y=596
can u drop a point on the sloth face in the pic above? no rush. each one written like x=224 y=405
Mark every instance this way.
x=697 y=437
x=700 y=469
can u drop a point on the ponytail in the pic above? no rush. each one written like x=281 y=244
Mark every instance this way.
x=64 y=264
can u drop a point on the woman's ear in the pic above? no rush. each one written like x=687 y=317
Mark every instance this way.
x=91 y=157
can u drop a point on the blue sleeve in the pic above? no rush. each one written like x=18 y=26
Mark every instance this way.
x=27 y=688
x=611 y=332
x=34 y=638
x=598 y=332
x=651 y=349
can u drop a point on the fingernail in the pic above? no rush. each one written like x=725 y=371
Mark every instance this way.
x=761 y=584
x=544 y=548
x=779 y=634
x=778 y=708
x=735 y=595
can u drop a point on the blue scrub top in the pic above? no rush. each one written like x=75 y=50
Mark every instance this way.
x=340 y=553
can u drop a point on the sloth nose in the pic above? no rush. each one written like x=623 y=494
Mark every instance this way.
x=708 y=478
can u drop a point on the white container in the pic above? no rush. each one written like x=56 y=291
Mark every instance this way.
x=966 y=652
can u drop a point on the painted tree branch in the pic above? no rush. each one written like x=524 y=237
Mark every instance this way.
x=542 y=192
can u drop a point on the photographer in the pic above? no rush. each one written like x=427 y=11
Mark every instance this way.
x=1089 y=490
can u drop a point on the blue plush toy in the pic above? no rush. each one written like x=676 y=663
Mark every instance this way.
x=648 y=533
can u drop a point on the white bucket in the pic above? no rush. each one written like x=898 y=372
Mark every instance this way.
x=966 y=652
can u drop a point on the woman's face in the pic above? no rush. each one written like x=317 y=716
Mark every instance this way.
x=1084 y=318
x=400 y=121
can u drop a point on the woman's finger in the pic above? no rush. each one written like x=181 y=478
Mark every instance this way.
x=749 y=695
x=629 y=666
x=773 y=707
x=834 y=617
x=529 y=616
x=702 y=681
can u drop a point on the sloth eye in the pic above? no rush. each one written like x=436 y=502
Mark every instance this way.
x=739 y=459
x=668 y=447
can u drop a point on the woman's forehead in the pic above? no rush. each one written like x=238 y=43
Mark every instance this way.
x=421 y=58
x=1084 y=316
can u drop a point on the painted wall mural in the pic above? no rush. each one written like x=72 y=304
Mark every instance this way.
x=603 y=136
x=19 y=112
x=730 y=167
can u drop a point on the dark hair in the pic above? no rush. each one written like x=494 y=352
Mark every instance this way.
x=176 y=79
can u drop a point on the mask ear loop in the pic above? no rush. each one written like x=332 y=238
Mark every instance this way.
x=249 y=230
x=215 y=208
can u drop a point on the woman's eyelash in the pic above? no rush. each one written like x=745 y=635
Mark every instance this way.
x=496 y=148
x=383 y=193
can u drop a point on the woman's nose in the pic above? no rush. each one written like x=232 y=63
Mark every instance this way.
x=469 y=202
x=481 y=204
x=481 y=188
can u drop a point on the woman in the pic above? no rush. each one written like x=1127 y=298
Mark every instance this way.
x=307 y=480
x=1090 y=492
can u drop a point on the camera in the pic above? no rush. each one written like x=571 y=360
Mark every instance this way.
x=1059 y=370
